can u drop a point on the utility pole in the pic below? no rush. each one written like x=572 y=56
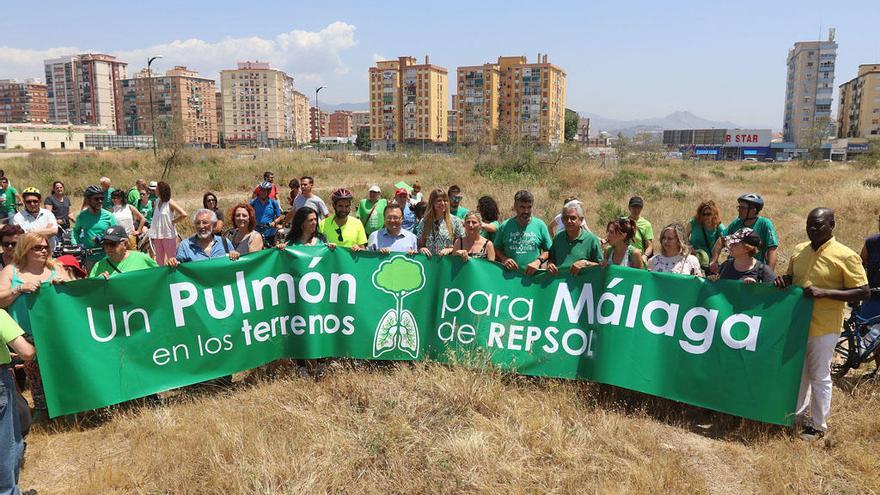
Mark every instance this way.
x=152 y=120
x=318 y=114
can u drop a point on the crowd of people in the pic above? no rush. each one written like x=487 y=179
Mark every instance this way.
x=123 y=230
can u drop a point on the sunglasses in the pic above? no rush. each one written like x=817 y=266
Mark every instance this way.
x=40 y=247
x=455 y=198
x=339 y=234
x=9 y=244
x=32 y=201
x=210 y=200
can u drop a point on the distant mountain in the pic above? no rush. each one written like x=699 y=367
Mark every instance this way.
x=352 y=107
x=675 y=120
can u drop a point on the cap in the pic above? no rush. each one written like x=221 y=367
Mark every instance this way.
x=401 y=191
x=636 y=201
x=115 y=233
x=152 y=185
x=747 y=236
x=375 y=188
x=71 y=261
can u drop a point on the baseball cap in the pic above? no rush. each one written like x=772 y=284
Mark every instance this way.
x=636 y=201
x=375 y=188
x=115 y=233
x=152 y=185
x=71 y=261
x=747 y=236
x=401 y=191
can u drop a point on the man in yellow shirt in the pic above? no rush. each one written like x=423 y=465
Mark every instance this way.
x=341 y=229
x=11 y=441
x=831 y=274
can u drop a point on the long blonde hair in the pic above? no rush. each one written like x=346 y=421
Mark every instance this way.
x=26 y=242
x=679 y=234
x=429 y=219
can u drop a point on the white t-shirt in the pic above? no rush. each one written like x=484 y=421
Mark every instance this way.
x=685 y=265
x=43 y=219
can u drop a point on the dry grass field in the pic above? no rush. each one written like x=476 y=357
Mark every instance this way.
x=428 y=428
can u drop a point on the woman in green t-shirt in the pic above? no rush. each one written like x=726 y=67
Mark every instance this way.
x=703 y=231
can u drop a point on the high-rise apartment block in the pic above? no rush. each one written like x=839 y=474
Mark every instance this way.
x=301 y=117
x=83 y=89
x=183 y=107
x=340 y=124
x=218 y=111
x=318 y=120
x=360 y=119
x=23 y=102
x=858 y=110
x=407 y=102
x=809 y=88
x=523 y=100
x=258 y=106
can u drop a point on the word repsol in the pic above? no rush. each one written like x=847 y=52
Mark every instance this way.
x=698 y=325
x=312 y=288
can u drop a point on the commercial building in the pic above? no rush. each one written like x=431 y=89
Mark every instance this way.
x=408 y=103
x=809 y=89
x=84 y=89
x=318 y=120
x=720 y=144
x=520 y=99
x=23 y=101
x=858 y=109
x=301 y=118
x=183 y=107
x=48 y=136
x=258 y=106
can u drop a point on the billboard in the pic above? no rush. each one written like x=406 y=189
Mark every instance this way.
x=752 y=138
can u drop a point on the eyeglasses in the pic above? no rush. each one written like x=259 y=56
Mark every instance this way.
x=9 y=244
x=32 y=201
x=210 y=200
x=40 y=247
x=339 y=234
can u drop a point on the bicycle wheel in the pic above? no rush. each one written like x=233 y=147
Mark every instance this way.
x=846 y=354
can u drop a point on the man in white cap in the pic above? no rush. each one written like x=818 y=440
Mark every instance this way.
x=371 y=211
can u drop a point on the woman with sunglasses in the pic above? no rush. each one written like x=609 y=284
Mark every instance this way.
x=619 y=234
x=209 y=202
x=703 y=231
x=32 y=268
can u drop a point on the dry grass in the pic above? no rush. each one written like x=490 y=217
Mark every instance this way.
x=431 y=428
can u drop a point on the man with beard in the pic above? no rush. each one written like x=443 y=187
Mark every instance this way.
x=204 y=244
x=523 y=241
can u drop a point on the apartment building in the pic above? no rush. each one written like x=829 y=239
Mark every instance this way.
x=218 y=111
x=84 y=89
x=408 y=102
x=23 y=102
x=184 y=107
x=258 y=106
x=301 y=116
x=809 y=87
x=360 y=119
x=318 y=120
x=520 y=99
x=340 y=124
x=858 y=107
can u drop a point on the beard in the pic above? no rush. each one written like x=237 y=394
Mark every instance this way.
x=204 y=235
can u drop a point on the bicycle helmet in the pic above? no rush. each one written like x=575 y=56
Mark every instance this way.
x=265 y=185
x=340 y=193
x=753 y=199
x=93 y=191
x=31 y=191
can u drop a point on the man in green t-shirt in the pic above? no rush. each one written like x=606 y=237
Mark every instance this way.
x=643 y=240
x=92 y=222
x=134 y=194
x=574 y=248
x=105 y=186
x=455 y=197
x=372 y=211
x=522 y=241
x=9 y=198
x=341 y=229
x=119 y=259
x=748 y=208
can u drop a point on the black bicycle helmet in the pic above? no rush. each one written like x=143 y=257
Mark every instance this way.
x=93 y=191
x=753 y=199
x=340 y=193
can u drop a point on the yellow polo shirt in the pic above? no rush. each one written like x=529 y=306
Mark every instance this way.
x=9 y=331
x=351 y=233
x=832 y=266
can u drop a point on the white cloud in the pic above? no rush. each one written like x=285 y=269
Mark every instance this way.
x=378 y=58
x=307 y=55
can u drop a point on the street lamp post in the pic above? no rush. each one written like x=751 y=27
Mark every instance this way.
x=318 y=114
x=152 y=120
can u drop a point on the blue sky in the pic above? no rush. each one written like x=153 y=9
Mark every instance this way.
x=723 y=61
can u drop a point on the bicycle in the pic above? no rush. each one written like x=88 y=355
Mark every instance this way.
x=858 y=343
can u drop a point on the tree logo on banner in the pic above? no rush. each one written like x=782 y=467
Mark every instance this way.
x=400 y=276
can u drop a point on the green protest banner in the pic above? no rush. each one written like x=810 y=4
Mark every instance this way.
x=728 y=346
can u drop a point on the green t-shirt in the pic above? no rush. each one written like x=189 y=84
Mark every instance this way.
x=9 y=331
x=491 y=235
x=135 y=260
x=352 y=232
x=375 y=221
x=523 y=244
x=7 y=199
x=704 y=239
x=89 y=225
x=585 y=246
x=460 y=212
x=644 y=233
x=764 y=228
x=134 y=196
x=108 y=201
x=146 y=210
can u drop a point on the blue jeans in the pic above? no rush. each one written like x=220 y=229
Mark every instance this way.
x=11 y=443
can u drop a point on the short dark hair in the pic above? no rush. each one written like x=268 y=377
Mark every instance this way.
x=488 y=208
x=453 y=189
x=118 y=194
x=523 y=196
x=10 y=230
x=293 y=183
x=392 y=206
x=304 y=177
x=266 y=174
